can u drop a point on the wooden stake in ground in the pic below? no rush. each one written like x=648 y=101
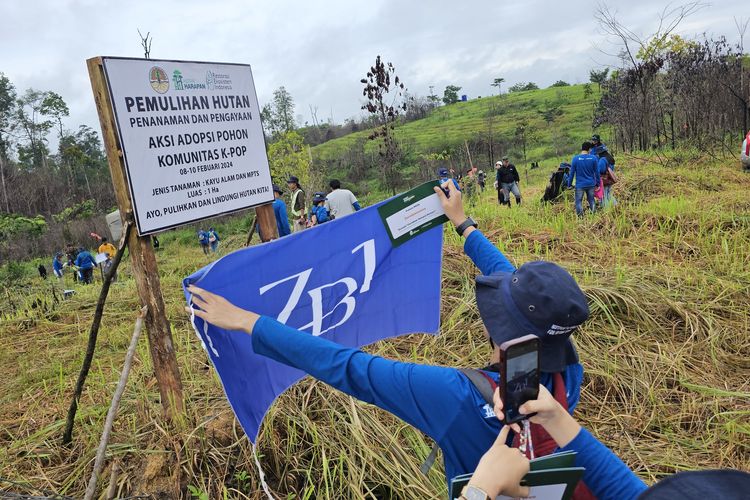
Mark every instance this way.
x=99 y=461
x=93 y=333
x=142 y=255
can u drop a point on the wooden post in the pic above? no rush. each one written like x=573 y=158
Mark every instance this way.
x=141 y=254
x=266 y=220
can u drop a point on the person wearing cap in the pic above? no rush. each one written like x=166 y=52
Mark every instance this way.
x=444 y=176
x=506 y=181
x=279 y=211
x=539 y=298
x=318 y=212
x=341 y=202
x=606 y=475
x=297 y=205
x=585 y=167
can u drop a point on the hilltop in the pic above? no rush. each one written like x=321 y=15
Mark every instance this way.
x=489 y=126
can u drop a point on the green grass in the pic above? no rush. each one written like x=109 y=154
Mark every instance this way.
x=667 y=274
x=449 y=126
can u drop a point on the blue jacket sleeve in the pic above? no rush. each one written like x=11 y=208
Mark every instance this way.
x=415 y=393
x=356 y=206
x=606 y=475
x=485 y=255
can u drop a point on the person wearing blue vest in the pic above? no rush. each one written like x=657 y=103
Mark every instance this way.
x=539 y=297
x=203 y=240
x=279 y=210
x=85 y=263
x=584 y=169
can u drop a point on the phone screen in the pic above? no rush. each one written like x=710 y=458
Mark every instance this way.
x=522 y=378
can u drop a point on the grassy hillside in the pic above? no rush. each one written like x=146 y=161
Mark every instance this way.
x=666 y=352
x=447 y=127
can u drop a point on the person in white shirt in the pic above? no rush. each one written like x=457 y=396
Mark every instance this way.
x=341 y=202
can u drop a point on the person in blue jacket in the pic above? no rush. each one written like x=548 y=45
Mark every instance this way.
x=57 y=266
x=318 y=212
x=443 y=177
x=538 y=297
x=85 y=263
x=203 y=240
x=213 y=239
x=584 y=169
x=279 y=210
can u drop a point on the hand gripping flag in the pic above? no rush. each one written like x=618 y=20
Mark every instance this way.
x=342 y=280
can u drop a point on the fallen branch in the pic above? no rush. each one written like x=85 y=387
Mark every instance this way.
x=99 y=461
x=89 y=356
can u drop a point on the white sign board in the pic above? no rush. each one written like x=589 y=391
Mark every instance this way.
x=191 y=137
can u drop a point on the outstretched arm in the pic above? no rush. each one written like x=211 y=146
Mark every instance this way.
x=484 y=254
x=412 y=392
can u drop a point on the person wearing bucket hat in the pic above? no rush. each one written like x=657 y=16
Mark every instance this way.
x=318 y=212
x=297 y=206
x=539 y=298
x=279 y=211
x=442 y=401
x=607 y=476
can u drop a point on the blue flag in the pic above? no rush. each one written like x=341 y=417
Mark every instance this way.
x=342 y=280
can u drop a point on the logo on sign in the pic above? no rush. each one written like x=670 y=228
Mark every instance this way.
x=158 y=79
x=348 y=302
x=177 y=79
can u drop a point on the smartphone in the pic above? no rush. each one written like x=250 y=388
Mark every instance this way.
x=519 y=361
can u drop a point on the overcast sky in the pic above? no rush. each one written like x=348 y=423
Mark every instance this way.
x=320 y=50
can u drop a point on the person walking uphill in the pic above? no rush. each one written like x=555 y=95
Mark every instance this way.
x=442 y=402
x=297 y=205
x=506 y=182
x=585 y=167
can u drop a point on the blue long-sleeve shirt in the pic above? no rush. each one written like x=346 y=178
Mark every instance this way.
x=586 y=168
x=282 y=221
x=606 y=475
x=439 y=401
x=57 y=266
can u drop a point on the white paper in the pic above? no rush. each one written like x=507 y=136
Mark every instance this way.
x=192 y=139
x=545 y=492
x=415 y=215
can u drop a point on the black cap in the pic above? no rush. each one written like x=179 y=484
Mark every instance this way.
x=539 y=298
x=293 y=179
x=277 y=189
x=596 y=138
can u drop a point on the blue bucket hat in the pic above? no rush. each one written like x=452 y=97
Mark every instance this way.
x=443 y=172
x=726 y=484
x=539 y=298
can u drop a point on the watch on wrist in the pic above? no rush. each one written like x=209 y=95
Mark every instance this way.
x=474 y=493
x=465 y=225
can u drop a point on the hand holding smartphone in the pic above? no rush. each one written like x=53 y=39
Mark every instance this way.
x=519 y=360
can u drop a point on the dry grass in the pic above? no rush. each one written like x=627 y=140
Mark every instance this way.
x=666 y=353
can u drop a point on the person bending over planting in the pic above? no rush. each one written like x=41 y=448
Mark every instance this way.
x=539 y=298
